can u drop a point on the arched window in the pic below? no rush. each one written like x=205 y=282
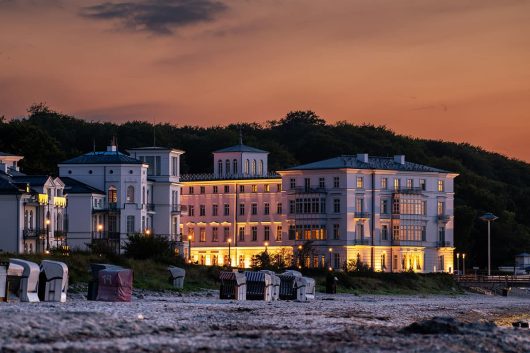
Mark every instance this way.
x=253 y=167
x=247 y=166
x=143 y=194
x=260 y=167
x=234 y=167
x=383 y=262
x=130 y=194
x=31 y=219
x=227 y=167
x=59 y=224
x=112 y=195
x=220 y=167
x=26 y=219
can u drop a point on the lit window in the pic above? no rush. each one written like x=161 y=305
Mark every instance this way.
x=360 y=182
x=384 y=183
x=254 y=188
x=267 y=188
x=441 y=185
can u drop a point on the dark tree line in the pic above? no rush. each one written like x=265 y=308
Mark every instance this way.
x=487 y=182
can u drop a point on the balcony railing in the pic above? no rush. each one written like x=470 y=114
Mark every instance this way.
x=444 y=244
x=106 y=235
x=110 y=207
x=308 y=190
x=362 y=214
x=403 y=242
x=411 y=190
x=179 y=209
x=150 y=207
x=30 y=234
x=443 y=218
x=361 y=241
x=59 y=234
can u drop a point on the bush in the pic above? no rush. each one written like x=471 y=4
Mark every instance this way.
x=141 y=247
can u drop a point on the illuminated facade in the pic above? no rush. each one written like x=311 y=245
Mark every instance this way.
x=385 y=213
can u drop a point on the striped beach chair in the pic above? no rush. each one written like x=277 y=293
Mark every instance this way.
x=259 y=286
x=233 y=285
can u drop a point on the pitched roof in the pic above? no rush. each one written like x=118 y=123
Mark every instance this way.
x=32 y=180
x=106 y=157
x=72 y=186
x=351 y=162
x=240 y=148
x=3 y=154
x=7 y=187
x=154 y=148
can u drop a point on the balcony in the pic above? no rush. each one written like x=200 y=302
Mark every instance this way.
x=443 y=218
x=179 y=210
x=399 y=242
x=59 y=234
x=405 y=190
x=444 y=244
x=310 y=190
x=30 y=234
x=106 y=235
x=110 y=207
x=362 y=215
x=150 y=207
x=362 y=241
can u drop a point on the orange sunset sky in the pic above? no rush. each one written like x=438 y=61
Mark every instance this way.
x=456 y=70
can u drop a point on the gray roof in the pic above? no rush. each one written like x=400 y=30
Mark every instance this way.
x=32 y=180
x=72 y=186
x=7 y=187
x=154 y=148
x=351 y=162
x=107 y=157
x=241 y=148
x=3 y=154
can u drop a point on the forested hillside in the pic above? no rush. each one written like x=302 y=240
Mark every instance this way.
x=487 y=181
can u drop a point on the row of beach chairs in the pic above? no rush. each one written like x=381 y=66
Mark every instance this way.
x=33 y=283
x=266 y=285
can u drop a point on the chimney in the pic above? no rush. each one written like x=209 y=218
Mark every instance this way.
x=362 y=157
x=399 y=158
x=112 y=147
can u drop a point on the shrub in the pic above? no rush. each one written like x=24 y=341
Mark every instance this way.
x=142 y=247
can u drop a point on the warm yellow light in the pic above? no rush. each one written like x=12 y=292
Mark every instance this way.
x=299 y=247
x=100 y=227
x=47 y=252
x=189 y=237
x=457 y=255
x=229 y=241
x=47 y=221
x=330 y=249
x=266 y=244
x=330 y=269
x=463 y=256
x=147 y=231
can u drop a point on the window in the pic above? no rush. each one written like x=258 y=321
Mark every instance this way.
x=337 y=260
x=384 y=183
x=112 y=195
x=266 y=208
x=254 y=188
x=191 y=190
x=214 y=234
x=383 y=261
x=441 y=185
x=266 y=188
x=241 y=209
x=215 y=189
x=203 y=189
x=336 y=182
x=384 y=232
x=266 y=233
x=202 y=210
x=395 y=233
x=253 y=167
x=395 y=263
x=220 y=167
x=423 y=184
x=292 y=183
x=215 y=210
x=254 y=233
x=385 y=206
x=441 y=234
x=292 y=231
x=279 y=187
x=234 y=167
x=241 y=188
x=440 y=208
x=307 y=184
x=226 y=234
x=410 y=183
x=174 y=166
x=130 y=224
x=227 y=189
x=360 y=231
x=254 y=209
x=397 y=184
x=202 y=234
x=227 y=167
x=279 y=208
x=360 y=182
x=247 y=166
x=260 y=167
x=130 y=194
x=292 y=208
x=321 y=183
x=336 y=232
x=241 y=233
x=279 y=233
x=191 y=210
x=359 y=205
x=226 y=211
x=336 y=205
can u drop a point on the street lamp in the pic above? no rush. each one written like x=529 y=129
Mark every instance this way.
x=464 y=264
x=189 y=248
x=148 y=232
x=330 y=251
x=266 y=245
x=457 y=264
x=229 y=254
x=47 y=235
x=489 y=217
x=299 y=255
x=100 y=230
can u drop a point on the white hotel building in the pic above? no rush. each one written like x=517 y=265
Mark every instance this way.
x=386 y=212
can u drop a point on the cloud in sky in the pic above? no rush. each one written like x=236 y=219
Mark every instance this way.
x=159 y=17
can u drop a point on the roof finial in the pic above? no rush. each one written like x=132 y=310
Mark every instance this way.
x=240 y=135
x=154 y=133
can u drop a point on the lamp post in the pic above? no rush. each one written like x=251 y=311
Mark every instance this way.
x=330 y=250
x=489 y=217
x=100 y=230
x=189 y=248
x=464 y=264
x=266 y=246
x=47 y=236
x=229 y=253
x=300 y=256
x=457 y=264
x=148 y=232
